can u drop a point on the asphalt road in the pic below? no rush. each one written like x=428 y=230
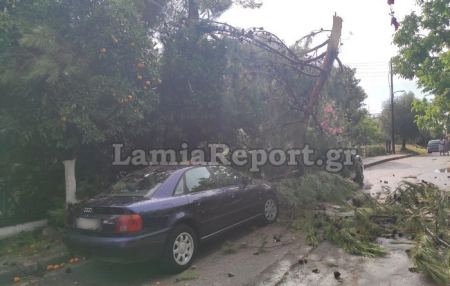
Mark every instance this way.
x=382 y=179
x=241 y=265
x=230 y=260
x=392 y=270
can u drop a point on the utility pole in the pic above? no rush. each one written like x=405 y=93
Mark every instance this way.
x=391 y=70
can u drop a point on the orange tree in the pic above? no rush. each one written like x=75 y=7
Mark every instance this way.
x=73 y=75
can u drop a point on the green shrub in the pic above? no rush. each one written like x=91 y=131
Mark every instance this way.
x=372 y=150
x=56 y=217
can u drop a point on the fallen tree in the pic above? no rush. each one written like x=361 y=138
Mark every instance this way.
x=328 y=207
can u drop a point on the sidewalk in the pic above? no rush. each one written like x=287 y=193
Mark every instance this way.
x=372 y=161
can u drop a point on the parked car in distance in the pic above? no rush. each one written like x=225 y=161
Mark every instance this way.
x=433 y=146
x=165 y=212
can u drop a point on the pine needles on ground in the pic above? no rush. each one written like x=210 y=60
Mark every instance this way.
x=424 y=212
x=432 y=259
x=307 y=199
x=421 y=211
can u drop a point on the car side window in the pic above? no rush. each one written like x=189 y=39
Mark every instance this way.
x=224 y=176
x=198 y=179
x=179 y=190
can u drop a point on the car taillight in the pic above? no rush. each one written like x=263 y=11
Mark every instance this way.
x=129 y=223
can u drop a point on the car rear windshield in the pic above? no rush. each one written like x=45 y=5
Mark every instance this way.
x=143 y=183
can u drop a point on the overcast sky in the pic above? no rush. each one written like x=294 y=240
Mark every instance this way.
x=366 y=35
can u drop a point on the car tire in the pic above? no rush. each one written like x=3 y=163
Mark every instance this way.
x=270 y=210
x=180 y=249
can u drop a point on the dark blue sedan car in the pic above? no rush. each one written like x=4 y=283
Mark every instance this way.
x=164 y=212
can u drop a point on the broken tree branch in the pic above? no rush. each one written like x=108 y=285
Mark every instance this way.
x=332 y=51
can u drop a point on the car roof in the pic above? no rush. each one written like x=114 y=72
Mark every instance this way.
x=434 y=141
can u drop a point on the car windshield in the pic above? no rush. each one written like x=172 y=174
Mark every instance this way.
x=143 y=183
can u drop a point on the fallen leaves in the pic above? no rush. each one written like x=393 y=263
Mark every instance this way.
x=61 y=265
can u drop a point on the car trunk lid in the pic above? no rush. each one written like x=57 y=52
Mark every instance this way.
x=100 y=215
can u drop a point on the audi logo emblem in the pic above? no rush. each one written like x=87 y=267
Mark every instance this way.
x=88 y=210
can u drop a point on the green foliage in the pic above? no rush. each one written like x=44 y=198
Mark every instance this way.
x=404 y=116
x=372 y=150
x=423 y=210
x=344 y=89
x=423 y=40
x=304 y=198
x=57 y=217
x=187 y=275
x=433 y=116
x=192 y=82
x=228 y=248
x=25 y=243
x=345 y=235
x=69 y=82
x=432 y=259
x=366 y=131
x=76 y=76
x=424 y=54
x=311 y=190
x=80 y=73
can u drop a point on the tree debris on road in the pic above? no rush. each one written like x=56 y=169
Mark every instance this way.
x=338 y=212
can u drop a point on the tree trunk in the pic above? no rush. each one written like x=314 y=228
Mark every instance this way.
x=71 y=183
x=327 y=65
x=403 y=144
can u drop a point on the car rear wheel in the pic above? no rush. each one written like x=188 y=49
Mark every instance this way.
x=181 y=248
x=270 y=210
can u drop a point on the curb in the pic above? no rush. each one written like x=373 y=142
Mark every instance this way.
x=8 y=231
x=389 y=159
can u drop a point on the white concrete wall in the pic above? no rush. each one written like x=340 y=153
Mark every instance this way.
x=16 y=229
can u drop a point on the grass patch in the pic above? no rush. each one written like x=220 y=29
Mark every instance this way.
x=416 y=149
x=187 y=275
x=25 y=243
x=228 y=248
x=262 y=245
x=380 y=150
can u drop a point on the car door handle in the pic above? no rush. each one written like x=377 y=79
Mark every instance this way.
x=233 y=196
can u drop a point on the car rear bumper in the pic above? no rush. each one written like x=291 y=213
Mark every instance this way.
x=433 y=149
x=126 y=249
